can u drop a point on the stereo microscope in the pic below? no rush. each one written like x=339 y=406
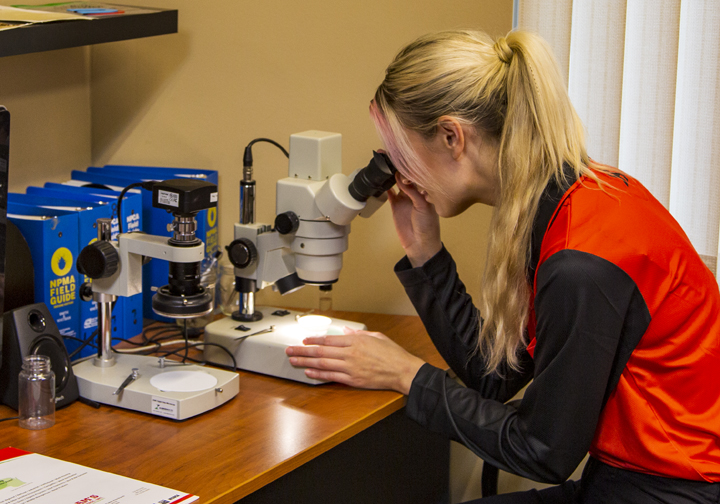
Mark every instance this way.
x=314 y=205
x=140 y=382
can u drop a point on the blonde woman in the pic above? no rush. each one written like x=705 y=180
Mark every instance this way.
x=591 y=289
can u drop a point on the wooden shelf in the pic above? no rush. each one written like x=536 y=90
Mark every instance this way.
x=65 y=34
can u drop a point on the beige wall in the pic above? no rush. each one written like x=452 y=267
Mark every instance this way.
x=239 y=70
x=235 y=71
x=48 y=96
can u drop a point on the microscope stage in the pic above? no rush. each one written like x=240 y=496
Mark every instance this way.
x=264 y=353
x=198 y=388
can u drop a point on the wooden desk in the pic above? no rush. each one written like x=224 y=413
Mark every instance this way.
x=271 y=428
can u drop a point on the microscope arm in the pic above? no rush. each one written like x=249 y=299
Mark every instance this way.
x=131 y=247
x=270 y=258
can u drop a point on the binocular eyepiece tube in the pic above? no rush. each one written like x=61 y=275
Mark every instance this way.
x=373 y=180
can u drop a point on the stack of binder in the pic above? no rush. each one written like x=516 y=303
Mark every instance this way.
x=58 y=220
x=57 y=225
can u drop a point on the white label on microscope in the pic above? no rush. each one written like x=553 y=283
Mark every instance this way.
x=213 y=197
x=168 y=198
x=164 y=407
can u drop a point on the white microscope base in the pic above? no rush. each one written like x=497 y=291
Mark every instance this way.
x=264 y=353
x=98 y=384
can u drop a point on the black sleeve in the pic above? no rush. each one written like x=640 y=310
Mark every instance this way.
x=590 y=315
x=451 y=320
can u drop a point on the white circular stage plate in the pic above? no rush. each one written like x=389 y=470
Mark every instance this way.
x=183 y=381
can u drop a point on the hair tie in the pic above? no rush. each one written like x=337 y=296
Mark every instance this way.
x=503 y=50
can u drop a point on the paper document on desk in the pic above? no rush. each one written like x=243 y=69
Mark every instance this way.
x=28 y=477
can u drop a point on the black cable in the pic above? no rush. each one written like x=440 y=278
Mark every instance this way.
x=124 y=340
x=175 y=352
x=157 y=346
x=161 y=328
x=9 y=418
x=78 y=339
x=150 y=325
x=119 y=203
x=88 y=341
x=84 y=343
x=162 y=335
x=148 y=184
x=167 y=337
x=89 y=402
x=247 y=155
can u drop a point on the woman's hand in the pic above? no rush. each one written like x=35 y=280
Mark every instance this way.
x=416 y=222
x=357 y=358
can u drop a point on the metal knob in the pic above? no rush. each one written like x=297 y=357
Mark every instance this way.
x=286 y=223
x=242 y=253
x=98 y=260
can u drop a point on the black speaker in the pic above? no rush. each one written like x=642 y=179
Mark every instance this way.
x=32 y=330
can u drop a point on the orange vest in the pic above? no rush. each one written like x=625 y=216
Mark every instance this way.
x=663 y=418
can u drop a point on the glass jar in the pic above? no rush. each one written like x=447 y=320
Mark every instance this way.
x=325 y=298
x=229 y=298
x=36 y=393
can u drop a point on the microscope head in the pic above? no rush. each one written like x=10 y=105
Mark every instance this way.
x=315 y=204
x=116 y=267
x=323 y=201
x=183 y=297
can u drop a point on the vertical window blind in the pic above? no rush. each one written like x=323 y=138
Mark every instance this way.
x=644 y=76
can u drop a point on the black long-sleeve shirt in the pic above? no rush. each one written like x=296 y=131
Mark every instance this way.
x=590 y=317
x=546 y=435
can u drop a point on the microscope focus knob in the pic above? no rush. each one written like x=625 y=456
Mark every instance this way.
x=86 y=293
x=286 y=223
x=98 y=260
x=242 y=253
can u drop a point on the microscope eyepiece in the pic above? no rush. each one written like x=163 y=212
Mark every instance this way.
x=373 y=180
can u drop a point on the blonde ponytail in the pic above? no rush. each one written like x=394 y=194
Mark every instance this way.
x=510 y=90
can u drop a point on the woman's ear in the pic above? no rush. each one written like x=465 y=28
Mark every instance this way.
x=451 y=135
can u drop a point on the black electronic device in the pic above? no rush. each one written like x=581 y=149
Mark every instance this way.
x=31 y=330
x=19 y=271
x=184 y=196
